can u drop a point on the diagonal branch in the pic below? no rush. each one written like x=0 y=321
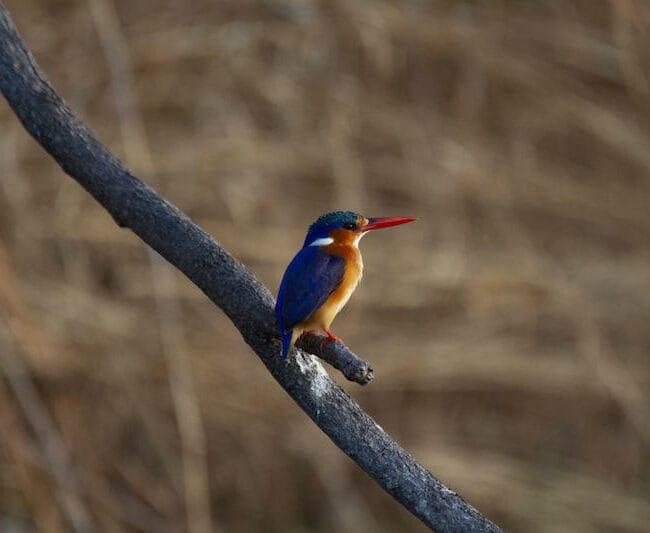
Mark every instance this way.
x=228 y=284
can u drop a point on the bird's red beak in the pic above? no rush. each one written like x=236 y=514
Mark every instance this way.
x=385 y=222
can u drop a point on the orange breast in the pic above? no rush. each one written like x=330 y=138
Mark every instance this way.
x=353 y=272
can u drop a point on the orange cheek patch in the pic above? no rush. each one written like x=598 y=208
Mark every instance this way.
x=342 y=237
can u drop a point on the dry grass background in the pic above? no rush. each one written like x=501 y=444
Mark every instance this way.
x=509 y=327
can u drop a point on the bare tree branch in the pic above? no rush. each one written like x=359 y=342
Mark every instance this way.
x=228 y=284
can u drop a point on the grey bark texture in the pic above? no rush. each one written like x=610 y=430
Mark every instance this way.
x=234 y=289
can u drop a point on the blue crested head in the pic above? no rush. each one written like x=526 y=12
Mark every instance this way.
x=326 y=223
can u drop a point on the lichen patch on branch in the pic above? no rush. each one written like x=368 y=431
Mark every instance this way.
x=311 y=367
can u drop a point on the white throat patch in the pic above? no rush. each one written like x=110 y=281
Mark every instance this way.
x=356 y=241
x=323 y=241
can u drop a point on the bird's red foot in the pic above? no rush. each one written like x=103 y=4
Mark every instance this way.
x=330 y=337
x=308 y=332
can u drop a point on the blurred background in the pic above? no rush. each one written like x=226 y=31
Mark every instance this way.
x=509 y=328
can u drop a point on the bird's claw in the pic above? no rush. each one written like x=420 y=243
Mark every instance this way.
x=330 y=337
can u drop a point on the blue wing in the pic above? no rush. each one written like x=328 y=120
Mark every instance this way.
x=309 y=280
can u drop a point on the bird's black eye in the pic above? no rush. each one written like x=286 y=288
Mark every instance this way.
x=350 y=225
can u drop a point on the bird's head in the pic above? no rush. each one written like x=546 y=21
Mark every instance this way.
x=347 y=227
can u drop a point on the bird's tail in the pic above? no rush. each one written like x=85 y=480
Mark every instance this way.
x=286 y=343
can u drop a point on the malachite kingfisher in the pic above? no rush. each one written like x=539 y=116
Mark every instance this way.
x=321 y=278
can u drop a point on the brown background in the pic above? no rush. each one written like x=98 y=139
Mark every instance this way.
x=509 y=327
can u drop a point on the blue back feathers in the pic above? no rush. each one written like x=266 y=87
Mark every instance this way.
x=328 y=222
x=309 y=280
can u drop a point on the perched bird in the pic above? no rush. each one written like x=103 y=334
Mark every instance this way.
x=321 y=278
